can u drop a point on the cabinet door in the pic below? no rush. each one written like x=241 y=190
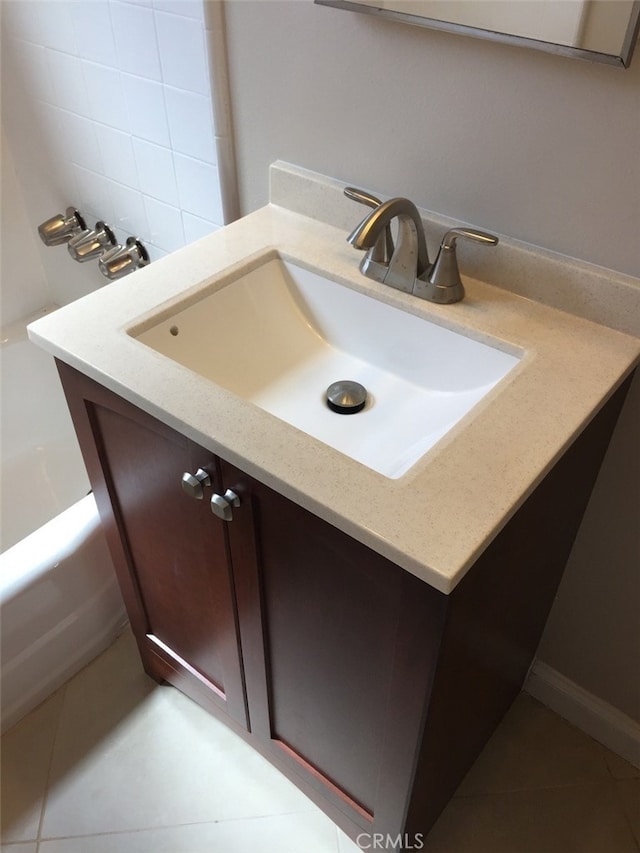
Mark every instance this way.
x=339 y=648
x=170 y=551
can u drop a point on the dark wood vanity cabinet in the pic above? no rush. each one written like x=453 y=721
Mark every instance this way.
x=172 y=561
x=339 y=649
x=373 y=691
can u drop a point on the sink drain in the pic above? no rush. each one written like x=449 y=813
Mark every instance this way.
x=346 y=397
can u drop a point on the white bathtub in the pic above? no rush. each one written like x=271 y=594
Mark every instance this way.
x=60 y=602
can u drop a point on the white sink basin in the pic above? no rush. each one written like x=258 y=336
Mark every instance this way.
x=279 y=335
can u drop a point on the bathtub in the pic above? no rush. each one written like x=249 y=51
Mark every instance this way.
x=60 y=601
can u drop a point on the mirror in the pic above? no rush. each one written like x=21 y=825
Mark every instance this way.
x=596 y=30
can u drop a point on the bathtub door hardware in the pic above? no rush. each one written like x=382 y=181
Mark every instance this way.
x=194 y=484
x=61 y=227
x=88 y=245
x=222 y=505
x=121 y=260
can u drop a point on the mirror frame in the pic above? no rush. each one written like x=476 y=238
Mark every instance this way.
x=621 y=61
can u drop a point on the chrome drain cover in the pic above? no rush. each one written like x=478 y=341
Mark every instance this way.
x=346 y=397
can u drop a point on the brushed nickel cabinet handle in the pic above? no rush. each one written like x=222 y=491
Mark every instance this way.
x=193 y=484
x=222 y=505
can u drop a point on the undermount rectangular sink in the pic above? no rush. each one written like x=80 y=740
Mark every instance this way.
x=279 y=335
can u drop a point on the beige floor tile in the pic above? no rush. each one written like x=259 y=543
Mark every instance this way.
x=534 y=748
x=346 y=845
x=132 y=755
x=138 y=768
x=98 y=701
x=26 y=757
x=308 y=833
x=579 y=819
x=629 y=793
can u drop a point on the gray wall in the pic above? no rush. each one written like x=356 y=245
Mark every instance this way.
x=593 y=633
x=541 y=148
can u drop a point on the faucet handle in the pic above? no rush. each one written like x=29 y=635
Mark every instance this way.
x=362 y=196
x=91 y=243
x=449 y=239
x=61 y=227
x=381 y=253
x=121 y=260
x=443 y=284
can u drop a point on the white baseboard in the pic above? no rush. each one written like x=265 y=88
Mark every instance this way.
x=592 y=715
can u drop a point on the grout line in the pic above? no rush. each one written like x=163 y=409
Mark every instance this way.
x=162 y=827
x=45 y=793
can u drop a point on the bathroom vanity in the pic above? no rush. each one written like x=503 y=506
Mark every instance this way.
x=363 y=632
x=366 y=686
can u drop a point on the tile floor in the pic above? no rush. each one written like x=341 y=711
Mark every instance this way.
x=113 y=763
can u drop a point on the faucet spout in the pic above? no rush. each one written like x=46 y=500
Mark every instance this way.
x=410 y=258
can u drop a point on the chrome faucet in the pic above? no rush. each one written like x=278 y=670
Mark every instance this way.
x=405 y=265
x=443 y=284
x=409 y=259
x=376 y=260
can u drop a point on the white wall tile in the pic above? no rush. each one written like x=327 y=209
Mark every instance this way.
x=51 y=127
x=80 y=144
x=116 y=150
x=156 y=171
x=195 y=228
x=31 y=64
x=154 y=252
x=20 y=256
x=94 y=34
x=70 y=91
x=198 y=188
x=146 y=109
x=183 y=52
x=188 y=8
x=50 y=24
x=129 y=215
x=105 y=93
x=67 y=181
x=165 y=224
x=190 y=124
x=135 y=36
x=112 y=118
x=94 y=191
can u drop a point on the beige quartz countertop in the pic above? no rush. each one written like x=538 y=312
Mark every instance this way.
x=435 y=520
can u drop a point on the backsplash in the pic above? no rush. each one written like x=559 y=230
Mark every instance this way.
x=119 y=92
x=587 y=290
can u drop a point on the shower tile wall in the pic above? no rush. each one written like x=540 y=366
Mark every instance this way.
x=121 y=93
